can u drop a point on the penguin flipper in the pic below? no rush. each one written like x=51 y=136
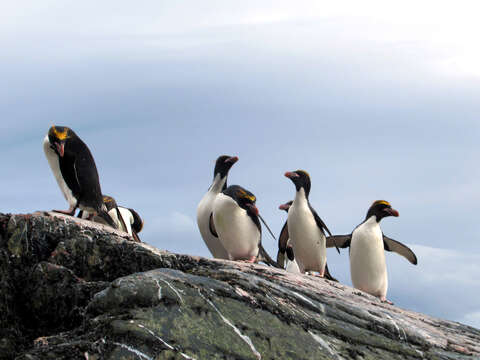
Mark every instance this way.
x=211 y=226
x=281 y=259
x=319 y=221
x=327 y=274
x=104 y=215
x=290 y=254
x=263 y=256
x=401 y=249
x=341 y=241
x=283 y=238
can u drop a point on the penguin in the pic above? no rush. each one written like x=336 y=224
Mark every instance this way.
x=126 y=219
x=74 y=169
x=305 y=228
x=205 y=207
x=236 y=222
x=367 y=243
x=285 y=248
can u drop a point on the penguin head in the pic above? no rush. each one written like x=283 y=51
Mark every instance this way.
x=286 y=206
x=109 y=202
x=223 y=165
x=244 y=198
x=301 y=179
x=58 y=136
x=381 y=209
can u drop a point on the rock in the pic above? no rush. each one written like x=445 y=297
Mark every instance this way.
x=72 y=289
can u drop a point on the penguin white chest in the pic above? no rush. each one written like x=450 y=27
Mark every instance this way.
x=236 y=230
x=204 y=210
x=367 y=259
x=307 y=239
x=54 y=163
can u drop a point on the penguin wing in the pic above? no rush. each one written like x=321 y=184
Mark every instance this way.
x=319 y=221
x=86 y=176
x=396 y=246
x=282 y=245
x=283 y=238
x=211 y=226
x=263 y=256
x=342 y=241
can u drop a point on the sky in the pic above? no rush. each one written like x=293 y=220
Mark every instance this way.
x=374 y=100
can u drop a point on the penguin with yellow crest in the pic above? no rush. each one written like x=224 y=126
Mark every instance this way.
x=74 y=169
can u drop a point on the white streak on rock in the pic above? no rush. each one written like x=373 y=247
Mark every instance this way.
x=175 y=290
x=397 y=327
x=159 y=289
x=324 y=345
x=185 y=356
x=135 y=351
x=245 y=338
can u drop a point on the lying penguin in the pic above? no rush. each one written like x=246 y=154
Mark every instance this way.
x=235 y=220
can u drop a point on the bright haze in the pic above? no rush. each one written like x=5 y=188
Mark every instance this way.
x=374 y=100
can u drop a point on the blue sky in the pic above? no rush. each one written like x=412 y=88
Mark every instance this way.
x=376 y=101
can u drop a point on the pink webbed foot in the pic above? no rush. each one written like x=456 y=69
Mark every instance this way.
x=250 y=260
x=383 y=299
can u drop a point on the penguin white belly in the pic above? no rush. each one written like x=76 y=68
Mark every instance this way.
x=54 y=163
x=127 y=219
x=204 y=209
x=292 y=267
x=367 y=259
x=236 y=230
x=307 y=239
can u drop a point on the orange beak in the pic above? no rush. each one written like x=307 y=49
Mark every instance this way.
x=60 y=148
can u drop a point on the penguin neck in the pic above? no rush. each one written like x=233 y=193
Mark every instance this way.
x=301 y=197
x=219 y=183
x=372 y=221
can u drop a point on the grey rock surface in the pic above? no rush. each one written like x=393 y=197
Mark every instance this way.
x=73 y=289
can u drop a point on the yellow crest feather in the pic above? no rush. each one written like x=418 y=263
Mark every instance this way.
x=60 y=135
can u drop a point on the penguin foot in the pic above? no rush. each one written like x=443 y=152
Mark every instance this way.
x=251 y=260
x=383 y=299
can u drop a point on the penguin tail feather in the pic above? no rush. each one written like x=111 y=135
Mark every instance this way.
x=329 y=276
x=263 y=256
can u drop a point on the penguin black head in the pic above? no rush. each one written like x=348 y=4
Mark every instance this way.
x=58 y=136
x=109 y=202
x=223 y=165
x=381 y=209
x=286 y=206
x=244 y=198
x=301 y=179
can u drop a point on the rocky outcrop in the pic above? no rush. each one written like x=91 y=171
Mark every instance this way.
x=72 y=289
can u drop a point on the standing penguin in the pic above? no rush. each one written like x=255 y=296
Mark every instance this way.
x=285 y=247
x=237 y=225
x=305 y=228
x=367 y=244
x=205 y=207
x=74 y=169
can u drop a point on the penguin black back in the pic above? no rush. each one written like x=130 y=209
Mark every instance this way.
x=246 y=200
